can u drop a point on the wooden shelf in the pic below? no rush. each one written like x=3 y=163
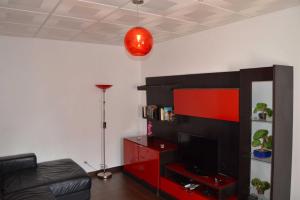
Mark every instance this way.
x=146 y=87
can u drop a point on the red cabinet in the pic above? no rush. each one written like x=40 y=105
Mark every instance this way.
x=142 y=162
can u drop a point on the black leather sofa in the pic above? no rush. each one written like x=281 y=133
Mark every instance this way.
x=22 y=178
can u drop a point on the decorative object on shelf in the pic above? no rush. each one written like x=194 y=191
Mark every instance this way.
x=261 y=187
x=152 y=112
x=104 y=174
x=155 y=112
x=138 y=40
x=149 y=128
x=263 y=111
x=144 y=109
x=168 y=113
x=262 y=139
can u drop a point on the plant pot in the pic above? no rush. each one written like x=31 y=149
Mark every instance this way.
x=262 y=116
x=262 y=154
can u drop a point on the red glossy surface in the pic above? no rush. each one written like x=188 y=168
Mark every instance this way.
x=153 y=143
x=138 y=41
x=205 y=180
x=103 y=87
x=179 y=192
x=222 y=104
x=141 y=162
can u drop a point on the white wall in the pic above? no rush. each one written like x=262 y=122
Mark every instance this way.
x=49 y=104
x=257 y=42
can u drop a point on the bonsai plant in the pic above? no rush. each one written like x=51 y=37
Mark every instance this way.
x=263 y=140
x=263 y=110
x=261 y=187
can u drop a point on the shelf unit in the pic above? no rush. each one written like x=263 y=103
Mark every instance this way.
x=280 y=127
x=218 y=187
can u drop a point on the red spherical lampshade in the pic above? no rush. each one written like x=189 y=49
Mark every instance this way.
x=138 y=41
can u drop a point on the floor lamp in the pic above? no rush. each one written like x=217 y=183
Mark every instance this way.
x=104 y=174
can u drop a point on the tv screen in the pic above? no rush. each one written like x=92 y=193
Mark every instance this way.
x=198 y=154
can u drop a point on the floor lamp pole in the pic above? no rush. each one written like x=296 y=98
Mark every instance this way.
x=104 y=174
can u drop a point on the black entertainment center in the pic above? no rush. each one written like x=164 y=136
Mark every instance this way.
x=213 y=157
x=198 y=154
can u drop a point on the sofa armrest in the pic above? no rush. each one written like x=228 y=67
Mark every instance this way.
x=18 y=162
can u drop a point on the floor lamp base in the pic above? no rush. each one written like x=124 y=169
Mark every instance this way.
x=104 y=175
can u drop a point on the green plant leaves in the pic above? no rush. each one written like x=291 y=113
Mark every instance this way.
x=263 y=107
x=255 y=182
x=260 y=107
x=266 y=185
x=261 y=138
x=256 y=143
x=268 y=143
x=260 y=134
x=261 y=186
x=269 y=112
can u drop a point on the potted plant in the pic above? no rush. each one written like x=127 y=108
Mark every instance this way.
x=263 y=110
x=263 y=140
x=261 y=187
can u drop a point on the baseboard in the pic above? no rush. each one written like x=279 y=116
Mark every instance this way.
x=112 y=170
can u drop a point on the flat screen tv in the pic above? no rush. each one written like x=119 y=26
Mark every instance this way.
x=198 y=154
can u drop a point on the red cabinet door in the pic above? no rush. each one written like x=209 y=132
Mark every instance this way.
x=131 y=157
x=149 y=164
x=141 y=162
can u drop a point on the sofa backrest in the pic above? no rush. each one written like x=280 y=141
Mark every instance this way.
x=10 y=164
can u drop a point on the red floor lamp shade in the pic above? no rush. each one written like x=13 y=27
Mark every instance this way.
x=104 y=174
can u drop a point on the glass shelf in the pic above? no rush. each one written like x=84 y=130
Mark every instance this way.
x=266 y=160
x=262 y=120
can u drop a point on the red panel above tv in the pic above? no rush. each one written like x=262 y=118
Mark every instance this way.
x=221 y=104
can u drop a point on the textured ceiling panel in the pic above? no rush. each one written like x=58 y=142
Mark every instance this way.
x=67 y=23
x=161 y=7
x=110 y=2
x=129 y=18
x=22 y=17
x=253 y=7
x=107 y=28
x=17 y=29
x=83 y=9
x=200 y=13
x=174 y=26
x=57 y=34
x=95 y=38
x=107 y=21
x=31 y=5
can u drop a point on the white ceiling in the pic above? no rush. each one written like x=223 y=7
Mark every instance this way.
x=106 y=21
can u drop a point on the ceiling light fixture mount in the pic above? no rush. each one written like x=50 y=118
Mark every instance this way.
x=138 y=2
x=138 y=40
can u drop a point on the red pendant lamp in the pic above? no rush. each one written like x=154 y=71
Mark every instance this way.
x=138 y=40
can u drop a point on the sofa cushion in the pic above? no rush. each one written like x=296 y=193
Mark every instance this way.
x=38 y=193
x=70 y=186
x=48 y=173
